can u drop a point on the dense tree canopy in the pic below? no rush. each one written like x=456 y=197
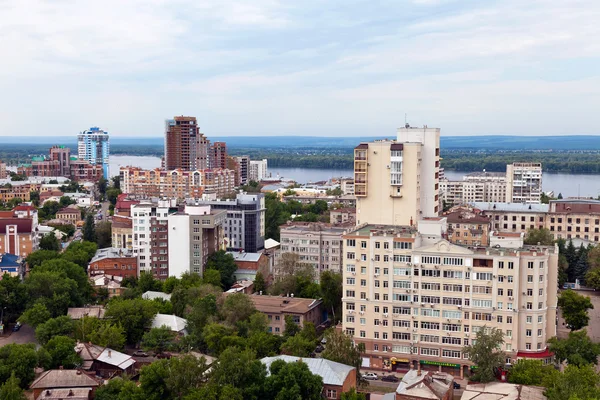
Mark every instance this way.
x=135 y=315
x=574 y=308
x=485 y=354
x=577 y=349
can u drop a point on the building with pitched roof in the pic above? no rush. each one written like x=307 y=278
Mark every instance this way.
x=113 y=261
x=92 y=311
x=174 y=323
x=11 y=264
x=502 y=391
x=70 y=383
x=276 y=308
x=105 y=362
x=425 y=385
x=249 y=264
x=18 y=235
x=337 y=378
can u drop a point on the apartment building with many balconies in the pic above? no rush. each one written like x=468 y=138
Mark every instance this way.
x=524 y=183
x=414 y=299
x=396 y=182
x=475 y=187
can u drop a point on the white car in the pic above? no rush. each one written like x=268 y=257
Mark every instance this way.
x=371 y=376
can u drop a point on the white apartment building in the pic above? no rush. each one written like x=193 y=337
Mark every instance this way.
x=258 y=170
x=347 y=186
x=415 y=299
x=475 y=187
x=524 y=183
x=399 y=176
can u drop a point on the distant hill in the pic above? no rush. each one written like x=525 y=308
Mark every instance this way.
x=492 y=142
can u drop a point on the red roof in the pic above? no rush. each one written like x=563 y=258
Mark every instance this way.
x=535 y=354
x=24 y=207
x=23 y=224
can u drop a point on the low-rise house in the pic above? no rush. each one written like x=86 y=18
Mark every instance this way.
x=64 y=384
x=337 y=378
x=92 y=311
x=122 y=232
x=174 y=323
x=276 y=308
x=114 y=261
x=417 y=384
x=502 y=391
x=105 y=362
x=111 y=283
x=151 y=295
x=70 y=214
x=11 y=264
x=245 y=286
x=249 y=264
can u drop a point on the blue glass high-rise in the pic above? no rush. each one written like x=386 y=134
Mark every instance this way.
x=93 y=146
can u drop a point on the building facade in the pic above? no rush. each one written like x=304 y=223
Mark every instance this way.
x=416 y=299
x=122 y=232
x=244 y=227
x=514 y=217
x=243 y=168
x=524 y=183
x=574 y=218
x=218 y=155
x=399 y=176
x=475 y=187
x=93 y=146
x=62 y=156
x=276 y=308
x=3 y=174
x=70 y=214
x=468 y=228
x=185 y=147
x=258 y=170
x=113 y=261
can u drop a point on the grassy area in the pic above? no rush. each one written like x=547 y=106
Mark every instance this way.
x=375 y=387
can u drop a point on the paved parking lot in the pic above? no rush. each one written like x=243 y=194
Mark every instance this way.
x=25 y=335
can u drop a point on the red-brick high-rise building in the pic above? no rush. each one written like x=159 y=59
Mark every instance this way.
x=185 y=146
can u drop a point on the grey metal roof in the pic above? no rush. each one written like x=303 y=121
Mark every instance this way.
x=333 y=373
x=243 y=256
x=151 y=295
x=175 y=323
x=111 y=252
x=118 y=359
x=511 y=207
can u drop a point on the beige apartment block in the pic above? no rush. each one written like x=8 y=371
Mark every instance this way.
x=396 y=182
x=415 y=299
x=514 y=217
x=318 y=244
x=574 y=219
x=524 y=183
x=475 y=187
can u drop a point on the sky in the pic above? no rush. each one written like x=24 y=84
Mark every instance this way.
x=308 y=67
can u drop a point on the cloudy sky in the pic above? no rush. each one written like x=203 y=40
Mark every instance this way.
x=308 y=67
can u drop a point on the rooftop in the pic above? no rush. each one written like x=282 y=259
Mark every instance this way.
x=111 y=252
x=63 y=378
x=151 y=295
x=175 y=323
x=280 y=304
x=511 y=207
x=502 y=391
x=349 y=210
x=61 y=394
x=24 y=225
x=425 y=384
x=80 y=312
x=8 y=260
x=243 y=256
x=380 y=230
x=333 y=373
x=270 y=243
x=466 y=218
x=317 y=227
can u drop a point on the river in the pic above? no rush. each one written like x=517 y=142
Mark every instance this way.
x=567 y=184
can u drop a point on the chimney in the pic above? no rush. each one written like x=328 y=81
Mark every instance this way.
x=419 y=372
x=109 y=353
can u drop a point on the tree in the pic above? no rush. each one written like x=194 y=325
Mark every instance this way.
x=237 y=307
x=36 y=315
x=53 y=289
x=353 y=395
x=62 y=352
x=71 y=271
x=212 y=277
x=542 y=236
x=214 y=335
x=147 y=282
x=10 y=390
x=13 y=297
x=34 y=196
x=118 y=388
x=574 y=383
x=65 y=201
x=240 y=368
x=158 y=340
x=104 y=234
x=331 y=291
x=264 y=344
x=225 y=264
x=89 y=230
x=571 y=255
x=102 y=184
x=485 y=354
x=529 y=372
x=109 y=335
x=260 y=285
x=592 y=279
x=560 y=196
x=49 y=242
x=112 y=194
x=341 y=348
x=20 y=360
x=275 y=215
x=292 y=381
x=291 y=327
x=297 y=346
x=594 y=257
x=59 y=326
x=574 y=309
x=135 y=315
x=577 y=349
x=116 y=182
x=174 y=378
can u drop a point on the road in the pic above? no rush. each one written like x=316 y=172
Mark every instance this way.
x=24 y=335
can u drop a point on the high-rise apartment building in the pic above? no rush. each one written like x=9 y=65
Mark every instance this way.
x=524 y=183
x=244 y=226
x=397 y=181
x=475 y=187
x=61 y=155
x=93 y=147
x=2 y=170
x=258 y=170
x=218 y=155
x=416 y=298
x=244 y=169
x=185 y=147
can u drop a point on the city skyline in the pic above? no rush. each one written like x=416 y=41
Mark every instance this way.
x=271 y=68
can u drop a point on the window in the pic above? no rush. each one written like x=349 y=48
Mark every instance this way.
x=509 y=333
x=363 y=334
x=499 y=319
x=331 y=394
x=529 y=305
x=501 y=264
x=528 y=332
x=529 y=319
x=350 y=293
x=530 y=265
x=351 y=242
x=509 y=320
x=350 y=256
x=429 y=352
x=451 y=353
x=540 y=319
x=500 y=292
x=511 y=265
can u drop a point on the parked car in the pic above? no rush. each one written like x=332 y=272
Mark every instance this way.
x=371 y=376
x=140 y=353
x=165 y=356
x=456 y=385
x=324 y=341
x=390 y=378
x=319 y=348
x=17 y=327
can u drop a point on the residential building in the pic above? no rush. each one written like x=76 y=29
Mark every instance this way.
x=18 y=236
x=3 y=173
x=428 y=385
x=111 y=283
x=397 y=181
x=317 y=243
x=84 y=171
x=242 y=286
x=123 y=205
x=91 y=311
x=150 y=235
x=104 y=362
x=71 y=214
x=218 y=155
x=93 y=146
x=249 y=264
x=344 y=200
x=337 y=378
x=342 y=215
x=185 y=147
x=467 y=228
x=258 y=170
x=415 y=299
x=62 y=156
x=347 y=186
x=114 y=261
x=524 y=183
x=233 y=164
x=11 y=264
x=244 y=168
x=244 y=227
x=178 y=183
x=193 y=235
x=276 y=308
x=514 y=217
x=17 y=190
x=475 y=187
x=502 y=391
x=174 y=323
x=64 y=384
x=574 y=219
x=122 y=232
